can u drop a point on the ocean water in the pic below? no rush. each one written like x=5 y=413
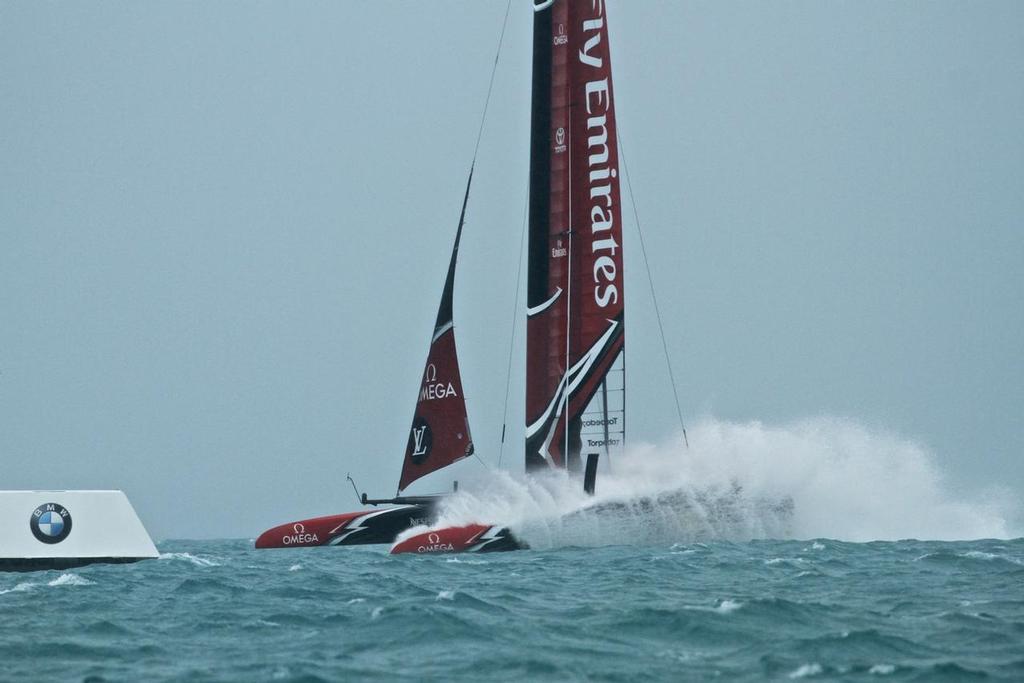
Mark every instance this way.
x=779 y=610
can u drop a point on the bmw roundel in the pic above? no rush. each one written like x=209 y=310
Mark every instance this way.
x=50 y=523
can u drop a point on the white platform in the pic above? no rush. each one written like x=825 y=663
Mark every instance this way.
x=35 y=533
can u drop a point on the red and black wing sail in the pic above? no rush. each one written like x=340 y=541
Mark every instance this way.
x=575 y=390
x=440 y=427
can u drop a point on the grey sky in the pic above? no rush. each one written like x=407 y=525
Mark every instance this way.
x=224 y=228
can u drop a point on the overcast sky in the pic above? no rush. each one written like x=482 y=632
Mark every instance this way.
x=224 y=228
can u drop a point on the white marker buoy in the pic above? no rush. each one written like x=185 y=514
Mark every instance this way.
x=63 y=529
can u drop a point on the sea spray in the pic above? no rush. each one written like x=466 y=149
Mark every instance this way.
x=847 y=481
x=816 y=478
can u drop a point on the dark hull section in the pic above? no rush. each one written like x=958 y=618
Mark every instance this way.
x=36 y=564
x=352 y=528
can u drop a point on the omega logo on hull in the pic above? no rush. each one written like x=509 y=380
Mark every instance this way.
x=435 y=545
x=436 y=548
x=300 y=536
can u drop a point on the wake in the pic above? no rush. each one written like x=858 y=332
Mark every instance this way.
x=817 y=478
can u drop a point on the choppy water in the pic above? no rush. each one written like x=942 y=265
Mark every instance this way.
x=823 y=609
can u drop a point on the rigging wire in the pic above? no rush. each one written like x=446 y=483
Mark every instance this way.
x=512 y=340
x=476 y=148
x=650 y=280
x=490 y=86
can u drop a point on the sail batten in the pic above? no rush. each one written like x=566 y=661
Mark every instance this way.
x=575 y=303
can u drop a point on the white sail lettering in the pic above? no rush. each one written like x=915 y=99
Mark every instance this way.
x=603 y=191
x=609 y=295
x=417 y=435
x=604 y=267
x=429 y=392
x=601 y=175
x=608 y=243
x=600 y=141
x=600 y=88
x=593 y=41
x=600 y=219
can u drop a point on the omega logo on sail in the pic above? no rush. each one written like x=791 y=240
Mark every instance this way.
x=561 y=38
x=432 y=389
x=599 y=102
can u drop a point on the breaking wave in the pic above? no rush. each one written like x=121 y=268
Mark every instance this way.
x=190 y=558
x=817 y=478
x=71 y=580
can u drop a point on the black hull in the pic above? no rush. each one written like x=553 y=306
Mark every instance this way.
x=38 y=564
x=385 y=527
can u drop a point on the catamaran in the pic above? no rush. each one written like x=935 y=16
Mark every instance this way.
x=439 y=436
x=575 y=324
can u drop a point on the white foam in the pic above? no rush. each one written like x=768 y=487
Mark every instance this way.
x=882 y=669
x=189 y=557
x=20 y=588
x=295 y=567
x=377 y=611
x=806 y=670
x=980 y=555
x=446 y=595
x=355 y=601
x=71 y=580
x=728 y=606
x=845 y=481
x=455 y=560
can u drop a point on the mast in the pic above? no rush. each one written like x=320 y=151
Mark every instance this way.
x=575 y=297
x=440 y=427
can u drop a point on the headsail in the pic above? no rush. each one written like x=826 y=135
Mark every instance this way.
x=574 y=356
x=440 y=428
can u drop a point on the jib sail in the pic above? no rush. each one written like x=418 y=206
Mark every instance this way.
x=440 y=428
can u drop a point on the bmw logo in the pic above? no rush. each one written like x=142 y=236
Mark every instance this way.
x=50 y=523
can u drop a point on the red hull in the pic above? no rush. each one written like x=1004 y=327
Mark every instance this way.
x=474 y=538
x=351 y=528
